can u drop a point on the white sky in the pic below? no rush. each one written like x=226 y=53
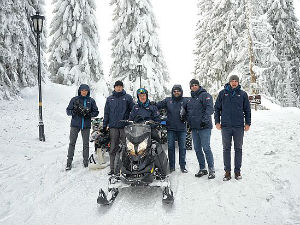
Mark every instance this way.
x=177 y=26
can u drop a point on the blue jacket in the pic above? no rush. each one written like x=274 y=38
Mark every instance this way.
x=117 y=107
x=233 y=106
x=173 y=106
x=199 y=109
x=149 y=112
x=87 y=101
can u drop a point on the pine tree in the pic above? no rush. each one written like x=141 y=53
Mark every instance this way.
x=74 y=55
x=286 y=32
x=222 y=44
x=135 y=41
x=18 y=55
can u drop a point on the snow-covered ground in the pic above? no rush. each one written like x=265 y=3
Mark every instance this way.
x=35 y=189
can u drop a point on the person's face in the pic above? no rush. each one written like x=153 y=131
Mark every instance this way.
x=195 y=87
x=83 y=92
x=118 y=88
x=176 y=93
x=143 y=98
x=233 y=84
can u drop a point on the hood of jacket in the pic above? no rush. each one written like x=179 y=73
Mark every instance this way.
x=84 y=86
x=177 y=87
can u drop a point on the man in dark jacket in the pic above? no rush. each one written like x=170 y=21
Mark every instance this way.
x=145 y=111
x=199 y=110
x=81 y=108
x=176 y=126
x=233 y=106
x=117 y=107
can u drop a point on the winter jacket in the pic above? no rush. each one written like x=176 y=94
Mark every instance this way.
x=88 y=102
x=199 y=109
x=232 y=105
x=173 y=106
x=149 y=112
x=117 y=107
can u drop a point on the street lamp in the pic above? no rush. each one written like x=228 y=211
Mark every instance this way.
x=38 y=21
x=140 y=69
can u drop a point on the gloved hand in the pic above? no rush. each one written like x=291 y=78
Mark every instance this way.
x=104 y=130
x=86 y=112
x=76 y=110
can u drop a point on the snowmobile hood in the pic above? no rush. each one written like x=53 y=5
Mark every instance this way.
x=84 y=86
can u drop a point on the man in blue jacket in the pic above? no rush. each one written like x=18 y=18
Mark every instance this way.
x=81 y=108
x=199 y=110
x=233 y=106
x=176 y=126
x=117 y=107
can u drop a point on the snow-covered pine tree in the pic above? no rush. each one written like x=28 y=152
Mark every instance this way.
x=18 y=56
x=135 y=41
x=222 y=44
x=74 y=54
x=263 y=44
x=286 y=32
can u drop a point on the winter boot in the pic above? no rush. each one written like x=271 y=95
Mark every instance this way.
x=110 y=173
x=69 y=166
x=201 y=173
x=183 y=170
x=211 y=175
x=227 y=176
x=237 y=175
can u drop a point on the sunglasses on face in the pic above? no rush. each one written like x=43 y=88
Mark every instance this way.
x=194 y=85
x=176 y=91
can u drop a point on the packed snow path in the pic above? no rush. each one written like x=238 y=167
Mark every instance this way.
x=35 y=189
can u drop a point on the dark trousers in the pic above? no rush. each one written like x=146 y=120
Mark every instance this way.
x=181 y=137
x=117 y=136
x=85 y=133
x=237 y=134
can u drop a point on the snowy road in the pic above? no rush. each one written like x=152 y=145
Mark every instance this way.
x=35 y=189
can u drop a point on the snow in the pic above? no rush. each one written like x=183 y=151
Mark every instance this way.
x=35 y=189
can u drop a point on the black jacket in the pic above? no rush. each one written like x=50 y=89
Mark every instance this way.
x=88 y=102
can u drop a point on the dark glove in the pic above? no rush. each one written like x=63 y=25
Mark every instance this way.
x=86 y=112
x=182 y=114
x=104 y=130
x=203 y=125
x=76 y=110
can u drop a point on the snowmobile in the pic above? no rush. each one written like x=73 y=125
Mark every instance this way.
x=143 y=162
x=98 y=159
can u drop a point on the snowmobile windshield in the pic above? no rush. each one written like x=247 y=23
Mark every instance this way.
x=136 y=133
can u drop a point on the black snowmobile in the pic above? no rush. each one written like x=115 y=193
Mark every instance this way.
x=143 y=162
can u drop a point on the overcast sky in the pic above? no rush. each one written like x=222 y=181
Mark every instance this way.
x=177 y=23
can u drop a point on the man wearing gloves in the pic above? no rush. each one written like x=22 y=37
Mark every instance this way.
x=199 y=110
x=81 y=108
x=176 y=126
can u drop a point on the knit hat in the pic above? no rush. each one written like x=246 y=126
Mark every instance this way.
x=234 y=77
x=118 y=83
x=194 y=81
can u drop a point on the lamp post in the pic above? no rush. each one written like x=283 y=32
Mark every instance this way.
x=140 y=69
x=38 y=21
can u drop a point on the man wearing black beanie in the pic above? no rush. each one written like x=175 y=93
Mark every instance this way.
x=117 y=107
x=199 y=109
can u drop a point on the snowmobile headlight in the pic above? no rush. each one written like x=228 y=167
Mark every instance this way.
x=142 y=146
x=130 y=148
